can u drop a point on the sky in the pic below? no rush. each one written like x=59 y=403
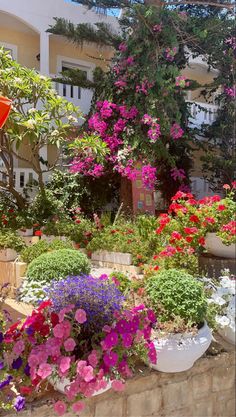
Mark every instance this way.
x=110 y=12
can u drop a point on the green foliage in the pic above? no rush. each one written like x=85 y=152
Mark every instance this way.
x=46 y=206
x=76 y=190
x=121 y=237
x=10 y=240
x=38 y=117
x=122 y=281
x=174 y=293
x=34 y=251
x=58 y=264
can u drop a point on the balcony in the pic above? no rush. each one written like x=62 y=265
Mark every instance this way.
x=202 y=113
x=80 y=97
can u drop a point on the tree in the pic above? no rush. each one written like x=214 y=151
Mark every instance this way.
x=139 y=111
x=39 y=117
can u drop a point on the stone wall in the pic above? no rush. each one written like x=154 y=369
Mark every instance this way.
x=206 y=390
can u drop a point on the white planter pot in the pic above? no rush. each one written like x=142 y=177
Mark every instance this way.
x=7 y=255
x=26 y=232
x=60 y=386
x=215 y=246
x=112 y=257
x=178 y=352
x=228 y=334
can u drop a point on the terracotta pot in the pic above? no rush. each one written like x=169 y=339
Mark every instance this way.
x=5 y=107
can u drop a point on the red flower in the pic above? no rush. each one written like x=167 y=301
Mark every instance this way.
x=140 y=291
x=54 y=319
x=38 y=233
x=45 y=330
x=176 y=235
x=44 y=305
x=210 y=220
x=78 y=221
x=194 y=218
x=190 y=230
x=201 y=240
x=155 y=257
x=234 y=184
x=189 y=239
x=226 y=186
x=221 y=207
x=26 y=390
x=156 y=268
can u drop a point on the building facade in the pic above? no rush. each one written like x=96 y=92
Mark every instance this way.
x=23 y=31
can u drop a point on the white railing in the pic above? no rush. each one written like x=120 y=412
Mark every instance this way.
x=23 y=177
x=202 y=113
x=80 y=97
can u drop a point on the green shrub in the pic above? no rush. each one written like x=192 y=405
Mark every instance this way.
x=58 y=264
x=34 y=251
x=176 y=294
x=9 y=239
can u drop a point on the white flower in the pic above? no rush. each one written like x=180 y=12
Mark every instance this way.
x=32 y=110
x=72 y=119
x=218 y=300
x=18 y=80
x=42 y=77
x=30 y=124
x=55 y=132
x=223 y=321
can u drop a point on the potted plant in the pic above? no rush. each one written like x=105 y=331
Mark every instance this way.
x=182 y=334
x=64 y=344
x=10 y=245
x=223 y=297
x=25 y=224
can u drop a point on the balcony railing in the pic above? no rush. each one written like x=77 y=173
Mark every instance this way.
x=80 y=97
x=23 y=177
x=202 y=113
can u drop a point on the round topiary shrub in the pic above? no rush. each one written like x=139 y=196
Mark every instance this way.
x=34 y=251
x=175 y=293
x=58 y=264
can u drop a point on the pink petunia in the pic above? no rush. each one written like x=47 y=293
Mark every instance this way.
x=19 y=347
x=87 y=373
x=80 y=316
x=110 y=359
x=111 y=340
x=118 y=385
x=64 y=364
x=60 y=408
x=78 y=407
x=69 y=345
x=92 y=358
x=44 y=370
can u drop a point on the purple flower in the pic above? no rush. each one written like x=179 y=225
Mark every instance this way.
x=1 y=337
x=1 y=365
x=27 y=370
x=17 y=363
x=5 y=382
x=19 y=403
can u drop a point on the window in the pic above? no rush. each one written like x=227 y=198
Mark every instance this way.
x=12 y=49
x=70 y=91
x=22 y=179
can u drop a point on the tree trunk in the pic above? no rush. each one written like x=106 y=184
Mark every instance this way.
x=20 y=200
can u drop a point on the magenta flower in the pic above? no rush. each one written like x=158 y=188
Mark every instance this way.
x=111 y=340
x=110 y=359
x=176 y=132
x=152 y=354
x=19 y=347
x=93 y=359
x=127 y=340
x=80 y=316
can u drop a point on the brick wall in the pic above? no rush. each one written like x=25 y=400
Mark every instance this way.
x=206 y=390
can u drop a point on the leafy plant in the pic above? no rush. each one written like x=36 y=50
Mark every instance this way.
x=176 y=295
x=58 y=264
x=10 y=240
x=34 y=251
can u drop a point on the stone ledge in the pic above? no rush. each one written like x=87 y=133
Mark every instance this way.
x=155 y=394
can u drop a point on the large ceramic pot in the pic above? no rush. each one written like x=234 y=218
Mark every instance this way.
x=228 y=334
x=178 y=352
x=60 y=385
x=215 y=246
